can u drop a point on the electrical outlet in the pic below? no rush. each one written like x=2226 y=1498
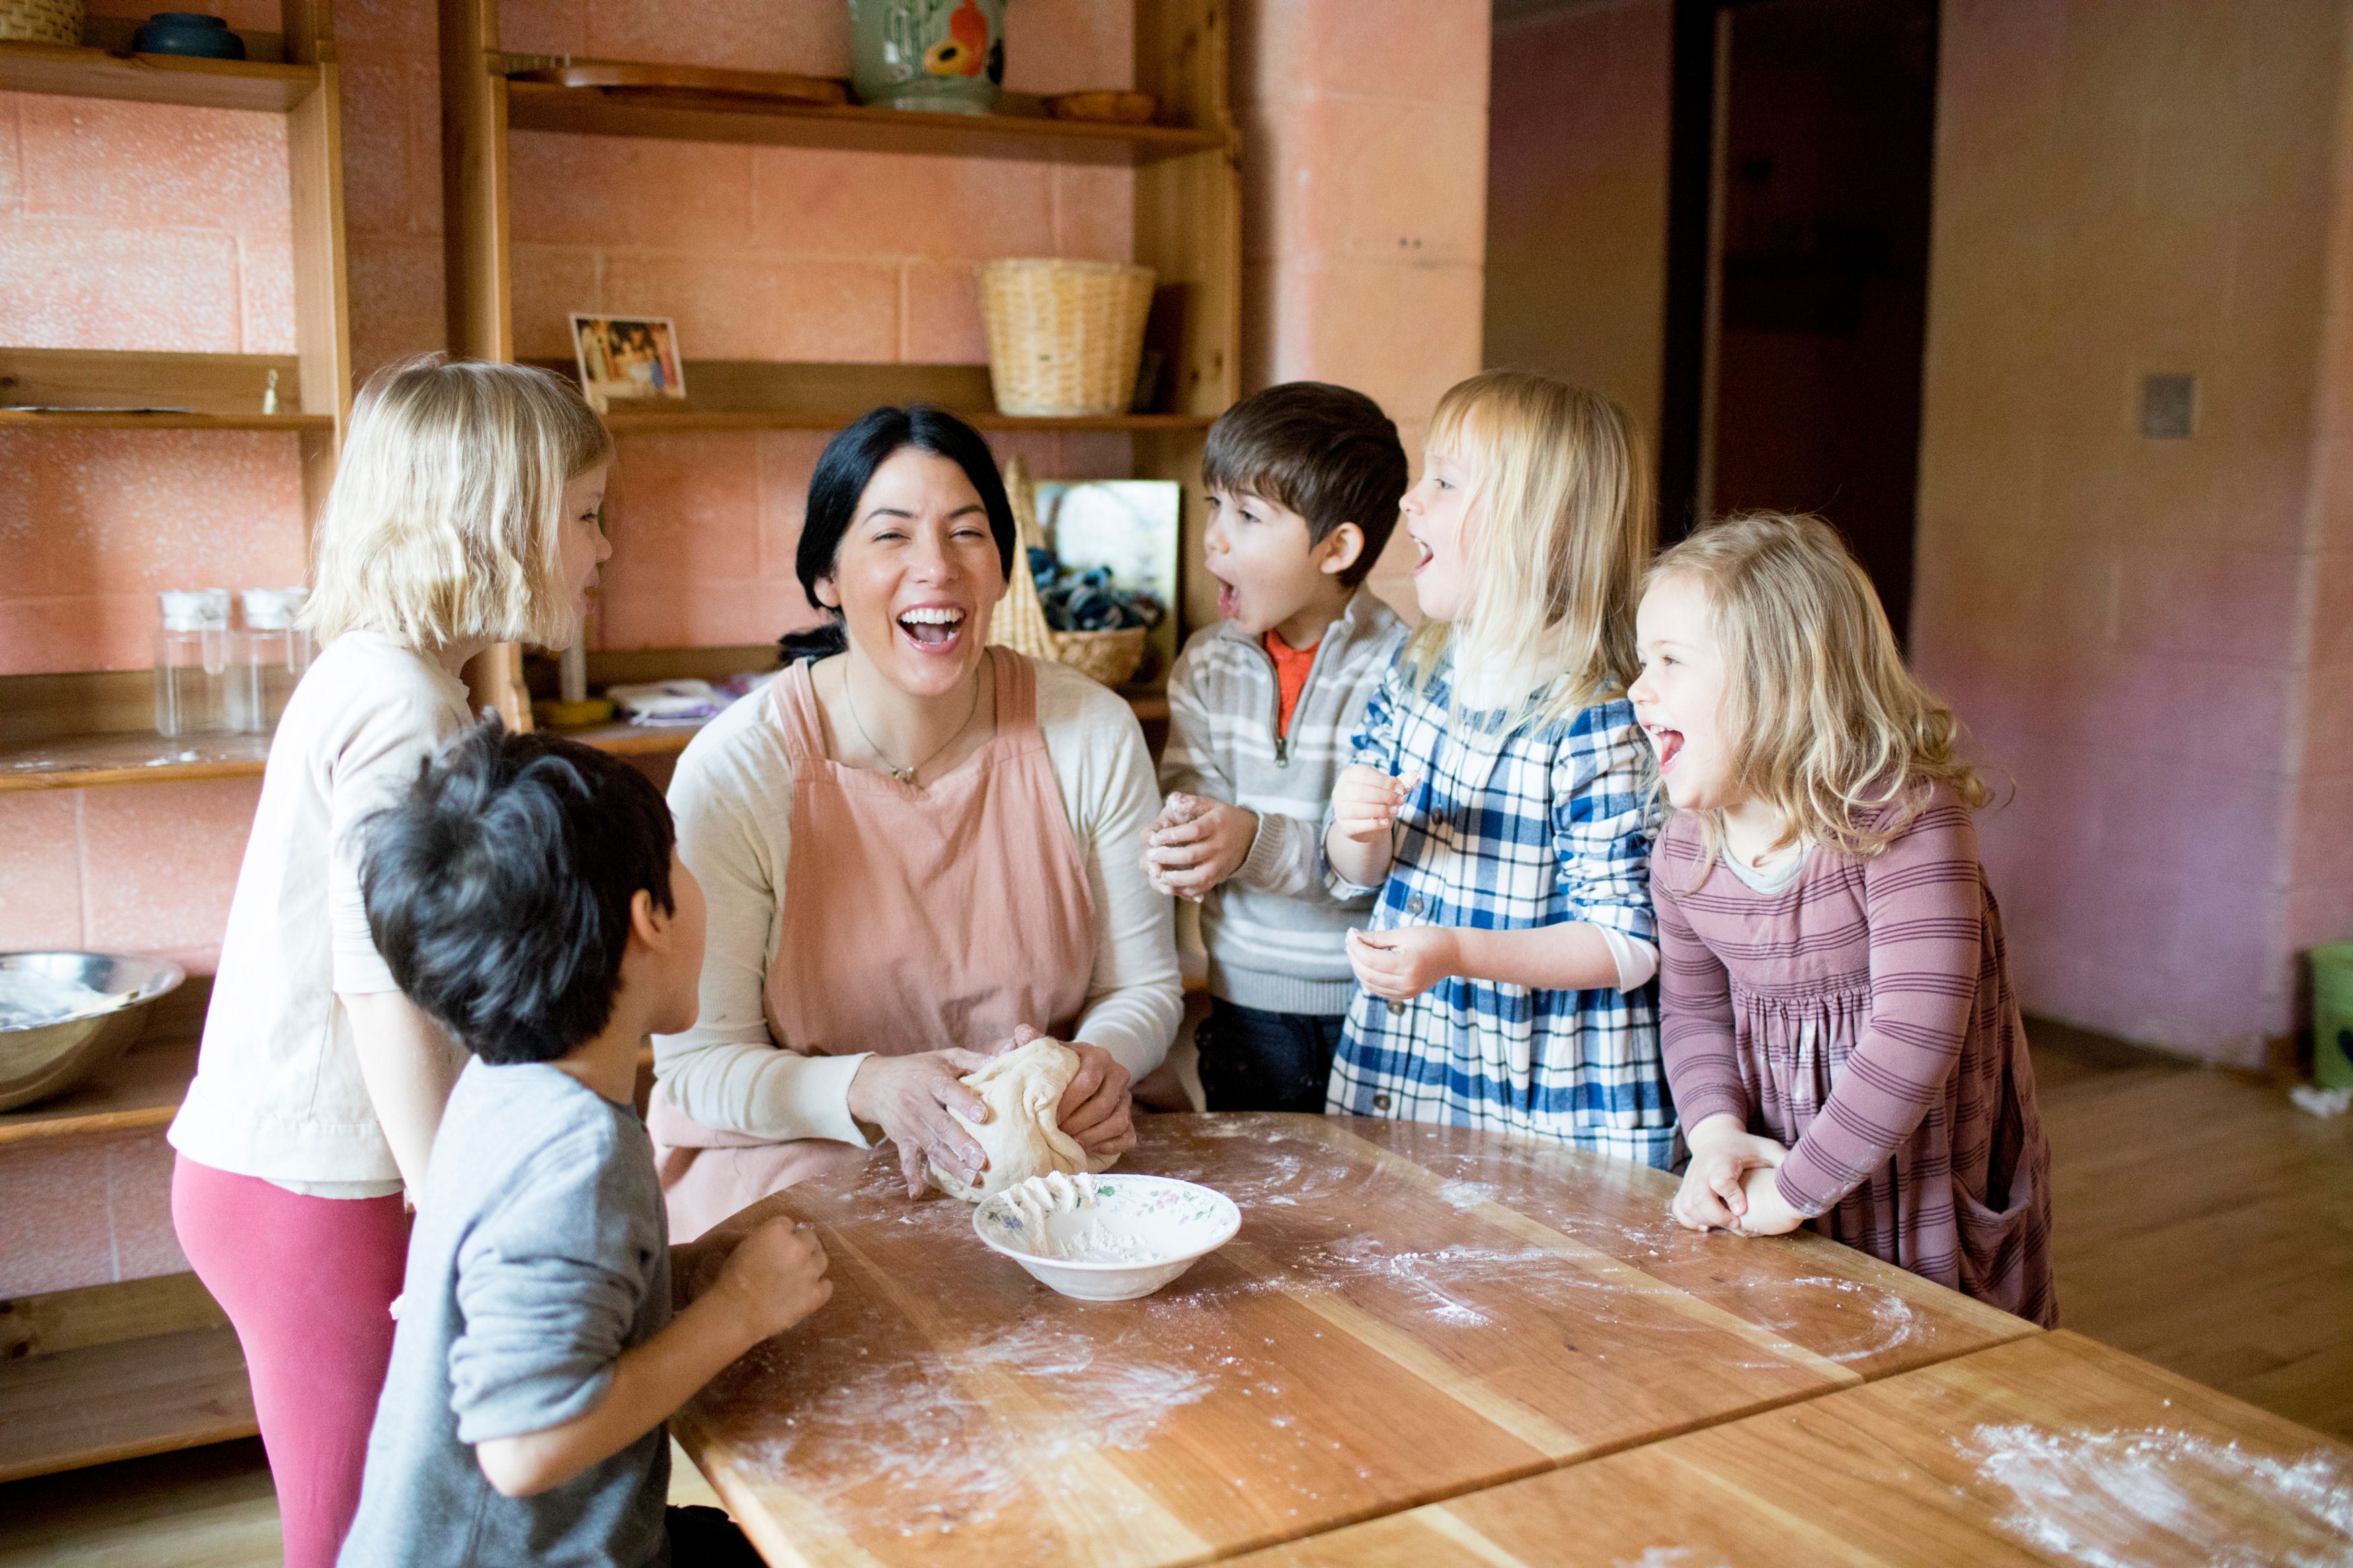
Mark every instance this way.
x=2169 y=407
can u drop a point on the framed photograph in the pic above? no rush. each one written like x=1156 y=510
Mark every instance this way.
x=626 y=356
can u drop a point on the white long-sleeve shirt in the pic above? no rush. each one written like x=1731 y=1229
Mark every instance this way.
x=277 y=1093
x=732 y=797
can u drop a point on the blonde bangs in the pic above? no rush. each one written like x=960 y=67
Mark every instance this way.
x=1832 y=728
x=1565 y=526
x=444 y=525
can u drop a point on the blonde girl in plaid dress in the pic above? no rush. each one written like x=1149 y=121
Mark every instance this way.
x=1500 y=795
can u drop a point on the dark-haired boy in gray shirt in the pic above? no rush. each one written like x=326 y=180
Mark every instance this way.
x=540 y=1349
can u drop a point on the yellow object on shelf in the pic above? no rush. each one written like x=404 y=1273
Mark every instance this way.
x=577 y=715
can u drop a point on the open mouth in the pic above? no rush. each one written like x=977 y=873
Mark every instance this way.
x=1228 y=601
x=1670 y=742
x=935 y=628
x=1423 y=554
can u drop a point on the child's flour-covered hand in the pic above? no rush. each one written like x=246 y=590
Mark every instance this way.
x=1197 y=844
x=1721 y=1155
x=1366 y=802
x=774 y=1276
x=1402 y=964
x=1769 y=1212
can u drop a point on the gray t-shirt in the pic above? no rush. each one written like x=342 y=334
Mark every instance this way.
x=541 y=1252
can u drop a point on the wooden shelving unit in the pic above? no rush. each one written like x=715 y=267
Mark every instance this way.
x=122 y=1400
x=1187 y=228
x=62 y=390
x=857 y=128
x=162 y=419
x=263 y=87
x=135 y=1368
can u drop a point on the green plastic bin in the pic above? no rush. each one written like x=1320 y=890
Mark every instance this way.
x=2332 y=1015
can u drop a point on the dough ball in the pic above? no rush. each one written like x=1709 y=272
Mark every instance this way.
x=1023 y=1089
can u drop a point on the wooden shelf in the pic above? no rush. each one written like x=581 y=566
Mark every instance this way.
x=134 y=419
x=81 y=762
x=90 y=762
x=120 y=1400
x=262 y=86
x=592 y=111
x=634 y=421
x=142 y=1090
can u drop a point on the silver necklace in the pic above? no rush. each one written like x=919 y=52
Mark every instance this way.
x=907 y=775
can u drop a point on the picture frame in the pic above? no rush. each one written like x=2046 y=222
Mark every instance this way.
x=627 y=357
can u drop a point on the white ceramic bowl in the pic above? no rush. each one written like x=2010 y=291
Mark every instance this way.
x=1140 y=1232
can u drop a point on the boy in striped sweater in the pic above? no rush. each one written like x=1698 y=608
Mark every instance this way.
x=1304 y=481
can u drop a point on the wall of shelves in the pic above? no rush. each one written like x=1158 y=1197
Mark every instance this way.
x=889 y=208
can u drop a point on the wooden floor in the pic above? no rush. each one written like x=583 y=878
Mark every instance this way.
x=2204 y=1223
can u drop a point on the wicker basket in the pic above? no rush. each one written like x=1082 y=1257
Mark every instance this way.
x=1019 y=623
x=40 y=21
x=1064 y=337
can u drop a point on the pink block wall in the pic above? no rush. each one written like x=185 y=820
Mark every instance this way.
x=1364 y=204
x=1577 y=198
x=136 y=226
x=2319 y=850
x=2121 y=191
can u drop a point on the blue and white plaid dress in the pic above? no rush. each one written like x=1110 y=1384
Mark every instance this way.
x=1513 y=826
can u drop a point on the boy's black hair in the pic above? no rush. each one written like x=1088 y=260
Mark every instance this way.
x=498 y=887
x=1322 y=451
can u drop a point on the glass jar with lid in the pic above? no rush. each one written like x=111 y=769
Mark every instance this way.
x=192 y=658
x=272 y=652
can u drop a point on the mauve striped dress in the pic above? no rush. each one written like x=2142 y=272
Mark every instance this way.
x=1862 y=1016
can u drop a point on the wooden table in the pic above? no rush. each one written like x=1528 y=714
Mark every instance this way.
x=2051 y=1449
x=1410 y=1313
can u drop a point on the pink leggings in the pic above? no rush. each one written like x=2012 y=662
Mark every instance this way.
x=308 y=1284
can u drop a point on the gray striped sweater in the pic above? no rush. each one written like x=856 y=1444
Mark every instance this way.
x=1273 y=930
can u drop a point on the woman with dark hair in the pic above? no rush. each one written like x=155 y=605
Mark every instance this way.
x=912 y=849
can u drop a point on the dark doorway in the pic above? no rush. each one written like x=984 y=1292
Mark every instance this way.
x=1799 y=267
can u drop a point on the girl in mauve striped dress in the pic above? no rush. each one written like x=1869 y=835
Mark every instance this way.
x=1835 y=1008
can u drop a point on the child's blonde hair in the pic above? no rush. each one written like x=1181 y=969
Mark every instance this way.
x=445 y=522
x=1555 y=557
x=1827 y=725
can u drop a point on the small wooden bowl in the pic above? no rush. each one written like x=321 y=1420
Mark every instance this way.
x=1104 y=107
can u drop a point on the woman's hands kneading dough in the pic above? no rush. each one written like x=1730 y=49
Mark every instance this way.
x=1097 y=1110
x=909 y=1098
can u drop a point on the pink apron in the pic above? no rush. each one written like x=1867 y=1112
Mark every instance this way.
x=913 y=919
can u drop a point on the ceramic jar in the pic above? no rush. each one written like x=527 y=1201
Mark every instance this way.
x=187 y=33
x=941 y=55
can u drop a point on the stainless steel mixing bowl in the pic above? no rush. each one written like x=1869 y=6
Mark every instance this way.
x=43 y=1060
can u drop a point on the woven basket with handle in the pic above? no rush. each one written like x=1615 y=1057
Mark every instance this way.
x=40 y=21
x=1019 y=623
x=1064 y=337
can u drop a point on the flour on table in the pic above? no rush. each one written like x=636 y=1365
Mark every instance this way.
x=1023 y=1090
x=2154 y=1497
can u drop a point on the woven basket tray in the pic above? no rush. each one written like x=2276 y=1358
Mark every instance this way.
x=1019 y=623
x=1064 y=337
x=40 y=21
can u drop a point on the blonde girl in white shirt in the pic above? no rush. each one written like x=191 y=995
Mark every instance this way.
x=464 y=514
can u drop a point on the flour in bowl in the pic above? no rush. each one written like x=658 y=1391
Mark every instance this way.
x=28 y=999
